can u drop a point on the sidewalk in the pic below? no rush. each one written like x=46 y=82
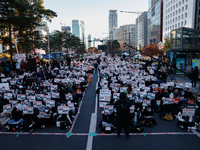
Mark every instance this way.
x=185 y=79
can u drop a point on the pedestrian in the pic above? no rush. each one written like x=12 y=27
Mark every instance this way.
x=195 y=75
x=123 y=114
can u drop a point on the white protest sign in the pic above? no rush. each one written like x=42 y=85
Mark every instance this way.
x=188 y=112
x=7 y=108
x=37 y=104
x=55 y=95
x=31 y=98
x=28 y=110
x=102 y=104
x=63 y=109
x=8 y=96
x=46 y=97
x=69 y=96
x=50 y=103
x=21 y=96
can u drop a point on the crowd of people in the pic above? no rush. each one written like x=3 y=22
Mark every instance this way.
x=45 y=98
x=132 y=90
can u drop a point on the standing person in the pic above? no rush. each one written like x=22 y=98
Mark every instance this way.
x=17 y=67
x=195 y=75
x=68 y=61
x=123 y=114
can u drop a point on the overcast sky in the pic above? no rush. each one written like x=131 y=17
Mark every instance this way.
x=94 y=13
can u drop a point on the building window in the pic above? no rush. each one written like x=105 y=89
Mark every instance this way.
x=166 y=11
x=166 y=17
x=179 y=10
x=166 y=23
x=178 y=17
x=173 y=13
x=181 y=23
x=182 y=8
x=186 y=6
x=170 y=21
x=170 y=27
x=178 y=24
x=179 y=3
x=185 y=15
x=185 y=22
x=182 y=16
x=175 y=25
x=176 y=5
x=176 y=12
x=173 y=20
x=182 y=1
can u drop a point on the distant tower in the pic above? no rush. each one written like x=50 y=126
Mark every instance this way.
x=76 y=28
x=113 y=22
x=89 y=41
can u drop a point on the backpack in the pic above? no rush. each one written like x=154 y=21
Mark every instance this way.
x=136 y=128
x=13 y=127
x=168 y=117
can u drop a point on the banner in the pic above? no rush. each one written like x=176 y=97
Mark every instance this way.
x=196 y=62
x=180 y=64
x=20 y=57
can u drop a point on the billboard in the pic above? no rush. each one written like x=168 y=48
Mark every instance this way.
x=102 y=47
x=180 y=64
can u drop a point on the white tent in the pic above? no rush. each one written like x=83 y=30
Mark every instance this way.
x=125 y=53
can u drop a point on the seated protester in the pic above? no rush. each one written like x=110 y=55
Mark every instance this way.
x=188 y=94
x=129 y=89
x=45 y=117
x=108 y=124
x=79 y=92
x=147 y=117
x=185 y=121
x=158 y=95
x=65 y=118
x=16 y=116
x=176 y=93
x=165 y=93
x=170 y=90
x=138 y=102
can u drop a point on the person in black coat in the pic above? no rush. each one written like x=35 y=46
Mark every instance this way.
x=195 y=75
x=123 y=114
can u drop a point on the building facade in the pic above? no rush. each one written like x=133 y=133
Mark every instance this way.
x=141 y=30
x=122 y=35
x=76 y=28
x=66 y=29
x=197 y=15
x=176 y=14
x=155 y=21
x=82 y=31
x=113 y=23
x=89 y=40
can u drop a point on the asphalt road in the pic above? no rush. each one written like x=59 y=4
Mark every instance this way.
x=164 y=136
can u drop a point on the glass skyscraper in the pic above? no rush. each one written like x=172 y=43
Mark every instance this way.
x=75 y=28
x=113 y=23
x=155 y=21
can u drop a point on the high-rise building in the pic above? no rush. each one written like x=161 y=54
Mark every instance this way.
x=42 y=28
x=155 y=21
x=75 y=28
x=113 y=23
x=197 y=15
x=89 y=40
x=82 y=27
x=122 y=35
x=66 y=29
x=141 y=30
x=177 y=13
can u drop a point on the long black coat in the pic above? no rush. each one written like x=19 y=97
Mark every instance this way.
x=123 y=115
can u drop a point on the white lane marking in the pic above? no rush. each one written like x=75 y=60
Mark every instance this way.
x=197 y=133
x=90 y=138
